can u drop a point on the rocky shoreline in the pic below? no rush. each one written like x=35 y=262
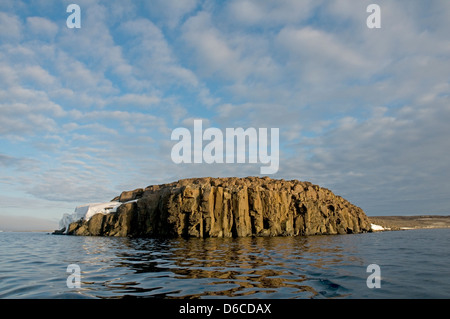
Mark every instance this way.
x=411 y=222
x=224 y=207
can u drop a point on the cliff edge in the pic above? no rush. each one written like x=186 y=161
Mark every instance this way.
x=226 y=207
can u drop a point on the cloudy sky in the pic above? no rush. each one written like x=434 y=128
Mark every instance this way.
x=87 y=113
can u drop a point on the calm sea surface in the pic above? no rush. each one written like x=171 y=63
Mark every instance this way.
x=413 y=264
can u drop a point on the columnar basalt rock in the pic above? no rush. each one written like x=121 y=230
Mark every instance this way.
x=227 y=207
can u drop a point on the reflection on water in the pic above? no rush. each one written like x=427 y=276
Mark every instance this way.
x=193 y=268
x=413 y=265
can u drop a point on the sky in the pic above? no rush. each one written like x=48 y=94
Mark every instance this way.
x=86 y=113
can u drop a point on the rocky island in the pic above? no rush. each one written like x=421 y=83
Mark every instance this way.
x=221 y=207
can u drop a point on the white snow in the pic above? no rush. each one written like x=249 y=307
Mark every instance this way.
x=376 y=227
x=85 y=212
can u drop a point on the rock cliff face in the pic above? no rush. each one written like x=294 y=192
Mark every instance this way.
x=227 y=207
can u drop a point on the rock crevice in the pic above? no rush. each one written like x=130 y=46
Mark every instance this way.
x=227 y=207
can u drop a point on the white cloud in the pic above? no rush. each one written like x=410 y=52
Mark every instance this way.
x=38 y=76
x=93 y=46
x=132 y=122
x=270 y=13
x=77 y=76
x=233 y=57
x=97 y=128
x=212 y=51
x=69 y=184
x=189 y=123
x=21 y=163
x=170 y=12
x=8 y=76
x=152 y=56
x=141 y=100
x=25 y=111
x=42 y=27
x=10 y=28
x=319 y=59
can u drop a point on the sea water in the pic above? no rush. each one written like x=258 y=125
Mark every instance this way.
x=412 y=264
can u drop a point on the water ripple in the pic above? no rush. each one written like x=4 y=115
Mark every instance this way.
x=33 y=265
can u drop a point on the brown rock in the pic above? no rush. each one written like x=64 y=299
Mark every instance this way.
x=130 y=195
x=228 y=207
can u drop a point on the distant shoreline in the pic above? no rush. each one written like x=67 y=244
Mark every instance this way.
x=386 y=222
x=25 y=231
x=411 y=222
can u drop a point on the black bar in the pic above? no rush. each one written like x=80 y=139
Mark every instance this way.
x=223 y=308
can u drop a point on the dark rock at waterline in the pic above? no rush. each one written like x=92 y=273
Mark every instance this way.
x=227 y=207
x=59 y=231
